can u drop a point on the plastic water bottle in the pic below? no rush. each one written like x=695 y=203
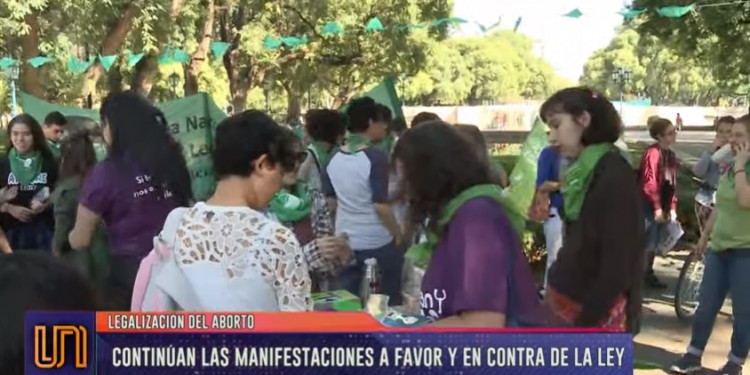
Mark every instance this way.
x=370 y=280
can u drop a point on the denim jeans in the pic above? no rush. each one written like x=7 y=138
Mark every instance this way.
x=726 y=271
x=390 y=262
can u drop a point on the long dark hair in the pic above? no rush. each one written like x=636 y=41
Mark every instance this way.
x=140 y=133
x=40 y=143
x=475 y=136
x=77 y=155
x=438 y=163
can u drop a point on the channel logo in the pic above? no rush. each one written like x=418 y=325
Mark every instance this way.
x=59 y=343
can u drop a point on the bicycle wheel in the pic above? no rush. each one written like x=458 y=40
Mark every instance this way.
x=687 y=288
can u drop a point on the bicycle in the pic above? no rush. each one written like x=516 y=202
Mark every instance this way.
x=691 y=274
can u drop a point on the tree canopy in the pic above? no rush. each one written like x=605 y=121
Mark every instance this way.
x=715 y=35
x=660 y=72
x=284 y=53
x=476 y=70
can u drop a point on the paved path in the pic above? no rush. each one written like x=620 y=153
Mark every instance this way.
x=663 y=337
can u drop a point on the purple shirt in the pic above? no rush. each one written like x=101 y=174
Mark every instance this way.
x=469 y=270
x=131 y=208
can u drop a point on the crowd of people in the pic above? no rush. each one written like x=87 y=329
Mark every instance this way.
x=293 y=215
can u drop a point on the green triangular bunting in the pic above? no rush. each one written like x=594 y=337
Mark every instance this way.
x=374 y=25
x=39 y=61
x=107 y=61
x=575 y=13
x=218 y=49
x=675 y=12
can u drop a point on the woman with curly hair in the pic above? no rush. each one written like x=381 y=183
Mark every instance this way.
x=476 y=272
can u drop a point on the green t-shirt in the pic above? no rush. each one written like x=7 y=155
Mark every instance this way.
x=730 y=229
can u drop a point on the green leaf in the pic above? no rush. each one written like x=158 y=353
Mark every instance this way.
x=134 y=58
x=374 y=25
x=107 y=61
x=218 y=49
x=332 y=28
x=674 y=11
x=575 y=13
x=39 y=61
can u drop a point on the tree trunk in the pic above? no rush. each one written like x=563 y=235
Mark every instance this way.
x=144 y=73
x=192 y=72
x=30 y=48
x=174 y=9
x=293 y=106
x=110 y=46
x=114 y=79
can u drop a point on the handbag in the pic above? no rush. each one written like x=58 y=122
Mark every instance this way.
x=539 y=209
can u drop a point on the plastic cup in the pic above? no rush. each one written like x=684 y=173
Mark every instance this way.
x=723 y=154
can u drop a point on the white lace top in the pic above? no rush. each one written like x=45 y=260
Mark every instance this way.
x=236 y=259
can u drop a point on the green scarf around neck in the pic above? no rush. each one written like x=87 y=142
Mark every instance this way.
x=577 y=178
x=54 y=147
x=25 y=167
x=356 y=141
x=420 y=254
x=291 y=206
x=322 y=153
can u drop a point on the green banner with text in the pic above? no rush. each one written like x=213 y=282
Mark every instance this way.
x=192 y=121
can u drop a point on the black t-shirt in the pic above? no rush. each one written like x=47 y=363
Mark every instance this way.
x=47 y=178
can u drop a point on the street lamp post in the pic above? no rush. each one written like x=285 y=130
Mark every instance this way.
x=174 y=79
x=12 y=74
x=621 y=76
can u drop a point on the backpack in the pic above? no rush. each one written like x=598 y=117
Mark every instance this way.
x=147 y=295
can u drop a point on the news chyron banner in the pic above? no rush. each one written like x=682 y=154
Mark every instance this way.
x=304 y=343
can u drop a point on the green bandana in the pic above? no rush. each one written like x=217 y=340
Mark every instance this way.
x=54 y=147
x=319 y=149
x=355 y=141
x=291 y=206
x=578 y=176
x=420 y=254
x=25 y=168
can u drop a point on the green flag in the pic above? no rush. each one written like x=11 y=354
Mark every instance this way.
x=192 y=121
x=523 y=177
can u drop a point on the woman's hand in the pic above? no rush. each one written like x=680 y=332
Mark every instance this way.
x=659 y=216
x=335 y=248
x=8 y=193
x=673 y=215
x=717 y=143
x=21 y=214
x=38 y=207
x=742 y=155
x=549 y=186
